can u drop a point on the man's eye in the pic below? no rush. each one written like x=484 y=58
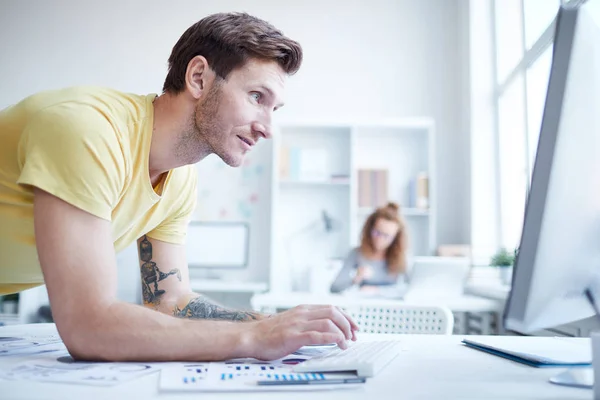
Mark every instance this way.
x=255 y=95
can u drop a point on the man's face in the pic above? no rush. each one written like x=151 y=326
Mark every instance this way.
x=237 y=112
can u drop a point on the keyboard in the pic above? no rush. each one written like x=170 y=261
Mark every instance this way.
x=366 y=358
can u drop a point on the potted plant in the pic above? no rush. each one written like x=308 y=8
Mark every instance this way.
x=504 y=260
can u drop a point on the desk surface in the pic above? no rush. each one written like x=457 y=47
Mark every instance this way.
x=465 y=303
x=430 y=367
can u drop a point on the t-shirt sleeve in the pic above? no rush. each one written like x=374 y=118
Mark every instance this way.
x=173 y=229
x=73 y=152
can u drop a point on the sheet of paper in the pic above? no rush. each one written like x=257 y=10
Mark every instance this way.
x=30 y=345
x=240 y=376
x=60 y=367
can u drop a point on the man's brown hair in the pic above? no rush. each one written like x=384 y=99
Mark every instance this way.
x=227 y=41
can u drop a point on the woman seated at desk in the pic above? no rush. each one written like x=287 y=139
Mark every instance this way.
x=381 y=258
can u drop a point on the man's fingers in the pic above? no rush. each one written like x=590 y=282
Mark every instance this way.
x=345 y=322
x=353 y=325
x=318 y=333
x=335 y=315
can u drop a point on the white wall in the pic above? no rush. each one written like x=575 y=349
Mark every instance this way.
x=377 y=58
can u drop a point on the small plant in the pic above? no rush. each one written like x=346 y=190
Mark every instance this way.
x=503 y=258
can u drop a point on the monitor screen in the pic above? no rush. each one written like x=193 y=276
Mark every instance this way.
x=218 y=244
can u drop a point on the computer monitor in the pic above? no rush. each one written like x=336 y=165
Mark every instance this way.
x=218 y=245
x=559 y=252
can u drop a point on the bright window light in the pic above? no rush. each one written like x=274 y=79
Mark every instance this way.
x=512 y=156
x=509 y=36
x=538 y=15
x=537 y=85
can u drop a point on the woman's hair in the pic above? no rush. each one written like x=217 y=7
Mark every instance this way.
x=227 y=41
x=396 y=252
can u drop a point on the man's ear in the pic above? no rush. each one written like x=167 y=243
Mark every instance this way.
x=197 y=76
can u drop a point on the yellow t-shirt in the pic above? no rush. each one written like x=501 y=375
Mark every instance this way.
x=88 y=146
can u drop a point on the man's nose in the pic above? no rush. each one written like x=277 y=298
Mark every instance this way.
x=263 y=128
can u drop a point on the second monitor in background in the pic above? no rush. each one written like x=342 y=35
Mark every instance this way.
x=218 y=245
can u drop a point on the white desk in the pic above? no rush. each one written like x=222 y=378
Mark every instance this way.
x=466 y=303
x=493 y=291
x=432 y=367
x=224 y=286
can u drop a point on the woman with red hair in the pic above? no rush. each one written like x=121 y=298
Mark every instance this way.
x=381 y=257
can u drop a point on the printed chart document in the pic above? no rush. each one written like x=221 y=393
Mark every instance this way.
x=250 y=376
x=254 y=375
x=45 y=358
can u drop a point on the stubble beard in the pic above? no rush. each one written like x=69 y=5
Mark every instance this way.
x=200 y=138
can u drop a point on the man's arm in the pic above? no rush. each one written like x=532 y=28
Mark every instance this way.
x=166 y=285
x=77 y=258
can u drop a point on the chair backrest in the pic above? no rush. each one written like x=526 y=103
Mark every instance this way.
x=404 y=318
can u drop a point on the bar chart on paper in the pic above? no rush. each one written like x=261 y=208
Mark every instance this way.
x=241 y=376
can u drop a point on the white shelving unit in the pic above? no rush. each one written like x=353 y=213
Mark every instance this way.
x=300 y=240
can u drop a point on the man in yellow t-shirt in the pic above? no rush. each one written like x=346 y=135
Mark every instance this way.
x=85 y=171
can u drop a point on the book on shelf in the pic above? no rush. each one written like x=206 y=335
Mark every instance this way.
x=372 y=187
x=418 y=191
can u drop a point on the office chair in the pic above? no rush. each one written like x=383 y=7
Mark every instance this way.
x=404 y=318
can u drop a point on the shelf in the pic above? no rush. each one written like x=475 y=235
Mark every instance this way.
x=337 y=182
x=407 y=212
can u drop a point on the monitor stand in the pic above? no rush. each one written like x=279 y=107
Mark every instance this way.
x=575 y=377
x=583 y=377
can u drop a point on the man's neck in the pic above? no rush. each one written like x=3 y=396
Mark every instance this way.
x=171 y=119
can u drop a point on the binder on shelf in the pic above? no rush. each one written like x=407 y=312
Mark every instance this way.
x=372 y=187
x=536 y=351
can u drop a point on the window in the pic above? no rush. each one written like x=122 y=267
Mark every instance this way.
x=523 y=32
x=511 y=156
x=509 y=36
x=538 y=15
x=537 y=85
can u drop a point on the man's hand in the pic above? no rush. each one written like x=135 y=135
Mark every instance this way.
x=286 y=332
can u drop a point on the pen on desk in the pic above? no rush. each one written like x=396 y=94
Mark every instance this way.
x=313 y=382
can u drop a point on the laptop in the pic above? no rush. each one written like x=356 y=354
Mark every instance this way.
x=437 y=277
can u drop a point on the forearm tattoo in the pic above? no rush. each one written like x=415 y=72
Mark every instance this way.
x=202 y=308
x=151 y=274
